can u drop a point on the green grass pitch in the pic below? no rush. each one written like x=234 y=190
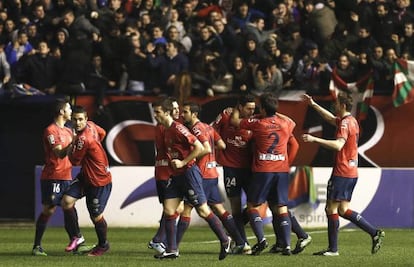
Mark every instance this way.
x=200 y=248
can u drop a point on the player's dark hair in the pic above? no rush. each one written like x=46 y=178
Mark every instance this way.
x=79 y=109
x=344 y=98
x=59 y=105
x=166 y=104
x=269 y=103
x=246 y=98
x=194 y=107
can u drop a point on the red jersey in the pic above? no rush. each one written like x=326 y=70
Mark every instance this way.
x=56 y=168
x=237 y=153
x=178 y=142
x=346 y=160
x=90 y=154
x=162 y=168
x=270 y=136
x=207 y=164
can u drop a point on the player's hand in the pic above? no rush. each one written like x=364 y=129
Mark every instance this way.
x=228 y=111
x=308 y=99
x=307 y=138
x=177 y=164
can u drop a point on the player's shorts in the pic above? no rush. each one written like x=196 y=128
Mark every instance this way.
x=212 y=192
x=269 y=186
x=188 y=186
x=236 y=180
x=160 y=184
x=53 y=191
x=96 y=196
x=340 y=188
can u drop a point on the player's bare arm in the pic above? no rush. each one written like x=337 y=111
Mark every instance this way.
x=325 y=114
x=235 y=117
x=330 y=144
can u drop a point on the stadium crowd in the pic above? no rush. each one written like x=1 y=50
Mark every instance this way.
x=202 y=47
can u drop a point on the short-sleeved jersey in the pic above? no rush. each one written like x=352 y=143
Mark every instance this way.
x=270 y=136
x=90 y=154
x=178 y=142
x=56 y=168
x=163 y=170
x=237 y=153
x=346 y=160
x=207 y=164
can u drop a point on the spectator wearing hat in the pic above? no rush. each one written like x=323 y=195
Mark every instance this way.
x=252 y=53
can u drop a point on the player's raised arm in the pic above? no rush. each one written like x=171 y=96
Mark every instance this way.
x=325 y=114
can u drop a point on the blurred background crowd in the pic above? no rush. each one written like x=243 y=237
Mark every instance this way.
x=202 y=47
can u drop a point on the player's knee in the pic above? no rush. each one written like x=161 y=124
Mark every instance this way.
x=203 y=210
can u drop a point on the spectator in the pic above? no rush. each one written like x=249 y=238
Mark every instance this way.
x=42 y=21
x=78 y=52
x=252 y=53
x=385 y=25
x=137 y=67
x=322 y=21
x=313 y=72
x=5 y=73
x=242 y=78
x=256 y=29
x=406 y=44
x=18 y=48
x=174 y=20
x=288 y=68
x=32 y=34
x=185 y=42
x=231 y=41
x=169 y=65
x=209 y=41
x=41 y=70
x=281 y=18
x=267 y=78
x=364 y=43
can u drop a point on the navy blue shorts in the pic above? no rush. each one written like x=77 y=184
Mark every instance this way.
x=236 y=180
x=188 y=186
x=96 y=196
x=160 y=189
x=212 y=192
x=269 y=186
x=53 y=191
x=340 y=188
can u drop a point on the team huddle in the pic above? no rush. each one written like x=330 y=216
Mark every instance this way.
x=256 y=152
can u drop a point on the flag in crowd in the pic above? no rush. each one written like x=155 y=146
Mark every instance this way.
x=403 y=82
x=362 y=91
